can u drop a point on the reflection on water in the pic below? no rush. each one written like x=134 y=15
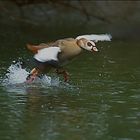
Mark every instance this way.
x=101 y=101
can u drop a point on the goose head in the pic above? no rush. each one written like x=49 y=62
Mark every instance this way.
x=87 y=45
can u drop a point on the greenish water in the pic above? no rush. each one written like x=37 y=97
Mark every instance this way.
x=101 y=101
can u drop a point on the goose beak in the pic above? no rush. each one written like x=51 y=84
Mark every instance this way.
x=94 y=49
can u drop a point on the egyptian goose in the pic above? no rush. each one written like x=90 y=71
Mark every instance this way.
x=55 y=54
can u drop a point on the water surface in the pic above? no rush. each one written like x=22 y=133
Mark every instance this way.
x=101 y=101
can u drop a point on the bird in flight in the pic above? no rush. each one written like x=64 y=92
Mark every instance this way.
x=54 y=55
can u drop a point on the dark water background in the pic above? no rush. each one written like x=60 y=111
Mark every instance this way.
x=101 y=101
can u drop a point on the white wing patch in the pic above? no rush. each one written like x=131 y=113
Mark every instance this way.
x=96 y=38
x=47 y=54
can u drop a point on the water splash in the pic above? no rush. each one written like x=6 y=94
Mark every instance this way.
x=15 y=81
x=17 y=75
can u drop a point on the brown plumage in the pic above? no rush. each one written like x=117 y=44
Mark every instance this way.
x=69 y=49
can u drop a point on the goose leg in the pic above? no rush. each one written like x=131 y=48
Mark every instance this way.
x=64 y=73
x=33 y=74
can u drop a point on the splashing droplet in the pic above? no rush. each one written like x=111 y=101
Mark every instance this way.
x=15 y=74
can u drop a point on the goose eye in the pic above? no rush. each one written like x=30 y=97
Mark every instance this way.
x=89 y=44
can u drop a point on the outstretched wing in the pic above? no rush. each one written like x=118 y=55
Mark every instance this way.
x=96 y=38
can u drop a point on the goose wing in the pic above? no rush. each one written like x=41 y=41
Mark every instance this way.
x=96 y=38
x=35 y=48
x=47 y=54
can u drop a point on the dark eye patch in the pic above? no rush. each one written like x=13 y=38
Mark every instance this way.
x=89 y=44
